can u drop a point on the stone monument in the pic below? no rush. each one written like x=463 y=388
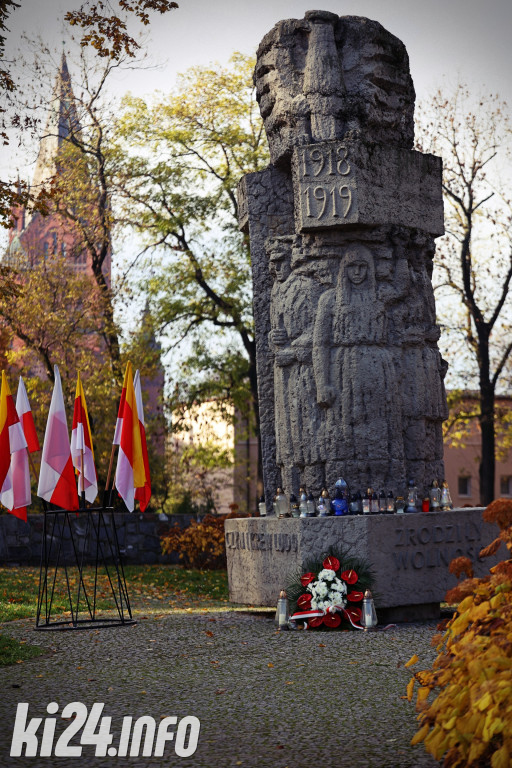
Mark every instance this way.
x=342 y=226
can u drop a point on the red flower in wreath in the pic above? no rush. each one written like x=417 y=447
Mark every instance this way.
x=349 y=576
x=332 y=620
x=307 y=579
x=355 y=596
x=304 y=602
x=355 y=613
x=331 y=563
x=317 y=621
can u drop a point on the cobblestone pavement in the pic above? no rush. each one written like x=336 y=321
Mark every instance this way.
x=265 y=699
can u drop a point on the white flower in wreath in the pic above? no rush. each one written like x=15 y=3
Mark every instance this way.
x=314 y=604
x=322 y=589
x=337 y=598
x=339 y=586
x=312 y=587
x=327 y=574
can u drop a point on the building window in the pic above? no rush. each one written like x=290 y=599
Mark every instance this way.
x=63 y=249
x=55 y=245
x=46 y=249
x=464 y=486
x=506 y=486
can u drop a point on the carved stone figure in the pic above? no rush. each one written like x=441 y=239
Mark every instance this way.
x=300 y=448
x=352 y=359
x=342 y=226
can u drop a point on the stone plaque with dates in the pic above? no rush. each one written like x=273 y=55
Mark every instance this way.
x=342 y=183
x=325 y=185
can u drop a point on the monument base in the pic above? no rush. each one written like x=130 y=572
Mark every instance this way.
x=406 y=613
x=410 y=555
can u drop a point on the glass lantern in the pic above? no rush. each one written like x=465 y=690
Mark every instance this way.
x=435 y=497
x=282 y=611
x=369 y=615
x=282 y=504
x=446 y=499
x=412 y=497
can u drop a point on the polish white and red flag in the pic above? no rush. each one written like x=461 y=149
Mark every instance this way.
x=82 y=450
x=130 y=472
x=27 y=420
x=14 y=471
x=119 y=421
x=57 y=483
x=143 y=494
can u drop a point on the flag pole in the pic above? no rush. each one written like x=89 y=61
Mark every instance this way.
x=82 y=478
x=106 y=497
x=32 y=465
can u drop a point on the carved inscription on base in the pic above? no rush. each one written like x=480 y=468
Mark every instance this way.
x=325 y=186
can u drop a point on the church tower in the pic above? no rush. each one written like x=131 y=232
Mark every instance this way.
x=34 y=237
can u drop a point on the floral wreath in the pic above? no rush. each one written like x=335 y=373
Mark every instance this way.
x=333 y=596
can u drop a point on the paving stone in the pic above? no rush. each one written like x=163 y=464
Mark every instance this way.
x=330 y=698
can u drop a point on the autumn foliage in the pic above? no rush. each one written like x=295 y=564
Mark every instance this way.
x=469 y=721
x=201 y=545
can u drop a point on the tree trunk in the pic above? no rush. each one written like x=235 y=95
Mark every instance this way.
x=487 y=468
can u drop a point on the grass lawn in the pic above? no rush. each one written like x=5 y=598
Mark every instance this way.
x=15 y=651
x=150 y=587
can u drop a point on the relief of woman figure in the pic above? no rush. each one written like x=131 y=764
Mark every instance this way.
x=356 y=379
x=294 y=300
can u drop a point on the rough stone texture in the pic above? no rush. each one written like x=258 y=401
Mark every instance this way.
x=138 y=535
x=342 y=227
x=409 y=553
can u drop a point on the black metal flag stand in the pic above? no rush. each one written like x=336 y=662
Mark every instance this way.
x=71 y=541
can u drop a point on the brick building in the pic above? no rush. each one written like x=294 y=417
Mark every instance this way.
x=35 y=237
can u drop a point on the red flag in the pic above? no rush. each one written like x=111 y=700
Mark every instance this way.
x=57 y=477
x=14 y=477
x=119 y=422
x=81 y=446
x=26 y=418
x=143 y=494
x=130 y=472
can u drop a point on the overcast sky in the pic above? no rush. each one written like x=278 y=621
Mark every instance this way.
x=447 y=40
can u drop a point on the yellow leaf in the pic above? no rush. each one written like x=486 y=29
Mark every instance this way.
x=501 y=758
x=422 y=697
x=433 y=740
x=484 y=702
x=477 y=747
x=410 y=689
x=450 y=723
x=270 y=664
x=420 y=735
x=460 y=624
x=412 y=661
x=480 y=611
